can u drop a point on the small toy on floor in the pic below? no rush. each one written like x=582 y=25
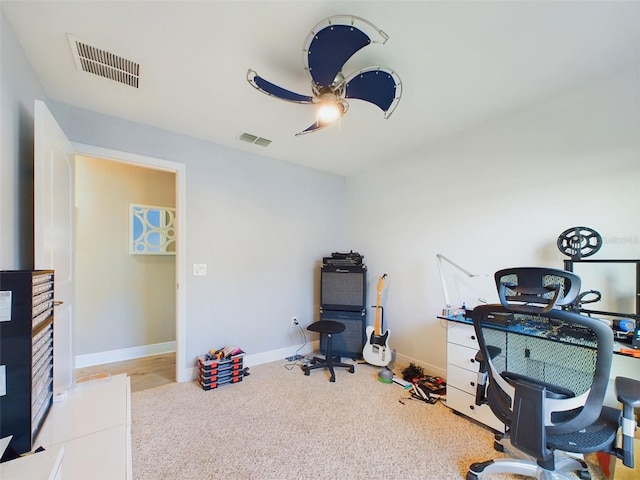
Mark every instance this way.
x=224 y=352
x=385 y=375
x=429 y=389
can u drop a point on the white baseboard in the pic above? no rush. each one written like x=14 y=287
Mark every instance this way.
x=251 y=360
x=111 y=356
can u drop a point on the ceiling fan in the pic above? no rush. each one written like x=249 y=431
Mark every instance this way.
x=326 y=50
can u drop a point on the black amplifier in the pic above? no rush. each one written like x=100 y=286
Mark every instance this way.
x=350 y=342
x=343 y=287
x=343 y=258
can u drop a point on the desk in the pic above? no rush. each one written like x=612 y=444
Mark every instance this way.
x=462 y=370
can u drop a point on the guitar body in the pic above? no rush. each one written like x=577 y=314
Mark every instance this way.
x=376 y=351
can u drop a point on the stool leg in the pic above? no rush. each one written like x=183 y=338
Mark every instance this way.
x=329 y=357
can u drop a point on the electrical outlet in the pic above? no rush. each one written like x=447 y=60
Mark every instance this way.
x=294 y=321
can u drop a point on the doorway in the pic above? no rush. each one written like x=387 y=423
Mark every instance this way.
x=158 y=169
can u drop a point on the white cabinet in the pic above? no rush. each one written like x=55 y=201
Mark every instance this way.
x=93 y=425
x=46 y=465
x=462 y=374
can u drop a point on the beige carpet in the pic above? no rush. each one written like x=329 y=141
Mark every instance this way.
x=278 y=423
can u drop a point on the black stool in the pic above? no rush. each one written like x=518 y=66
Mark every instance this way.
x=328 y=328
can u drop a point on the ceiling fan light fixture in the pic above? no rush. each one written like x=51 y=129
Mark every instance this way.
x=329 y=111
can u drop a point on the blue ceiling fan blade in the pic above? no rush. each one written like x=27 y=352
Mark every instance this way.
x=332 y=42
x=330 y=48
x=314 y=127
x=274 y=90
x=376 y=85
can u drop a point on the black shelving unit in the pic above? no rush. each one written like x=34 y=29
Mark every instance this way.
x=26 y=355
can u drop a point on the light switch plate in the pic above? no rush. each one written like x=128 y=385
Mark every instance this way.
x=199 y=269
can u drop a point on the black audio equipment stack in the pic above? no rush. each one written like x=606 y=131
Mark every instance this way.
x=343 y=292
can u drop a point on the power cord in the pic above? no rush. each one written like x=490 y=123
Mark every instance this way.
x=295 y=359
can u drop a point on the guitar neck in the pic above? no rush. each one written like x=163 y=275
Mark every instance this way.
x=378 y=324
x=377 y=330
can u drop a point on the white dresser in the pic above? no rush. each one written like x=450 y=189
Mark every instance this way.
x=93 y=425
x=462 y=375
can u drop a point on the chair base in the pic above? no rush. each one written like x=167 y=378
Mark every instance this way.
x=328 y=362
x=564 y=466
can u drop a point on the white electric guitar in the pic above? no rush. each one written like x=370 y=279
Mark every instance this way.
x=376 y=349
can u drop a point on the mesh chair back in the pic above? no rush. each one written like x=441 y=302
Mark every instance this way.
x=532 y=289
x=567 y=353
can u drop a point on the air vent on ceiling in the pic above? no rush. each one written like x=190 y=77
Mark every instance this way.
x=103 y=63
x=247 y=137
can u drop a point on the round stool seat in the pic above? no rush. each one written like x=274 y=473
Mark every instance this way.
x=326 y=326
x=326 y=329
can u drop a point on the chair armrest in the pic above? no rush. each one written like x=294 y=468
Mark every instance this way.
x=628 y=393
x=481 y=382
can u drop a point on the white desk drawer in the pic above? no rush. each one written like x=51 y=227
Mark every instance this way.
x=463 y=357
x=465 y=404
x=462 y=334
x=462 y=379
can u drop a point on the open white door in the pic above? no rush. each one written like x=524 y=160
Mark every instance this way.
x=53 y=230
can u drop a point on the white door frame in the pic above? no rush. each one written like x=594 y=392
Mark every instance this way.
x=182 y=374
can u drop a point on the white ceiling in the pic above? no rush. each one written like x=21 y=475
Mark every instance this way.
x=460 y=63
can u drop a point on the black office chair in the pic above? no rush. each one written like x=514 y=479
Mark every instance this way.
x=544 y=373
x=328 y=328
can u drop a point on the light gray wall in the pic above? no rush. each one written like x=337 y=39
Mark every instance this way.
x=18 y=88
x=497 y=196
x=124 y=300
x=260 y=225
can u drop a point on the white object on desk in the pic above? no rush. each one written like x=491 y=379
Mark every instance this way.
x=445 y=291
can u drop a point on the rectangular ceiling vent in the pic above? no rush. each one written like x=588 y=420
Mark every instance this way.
x=247 y=137
x=103 y=63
